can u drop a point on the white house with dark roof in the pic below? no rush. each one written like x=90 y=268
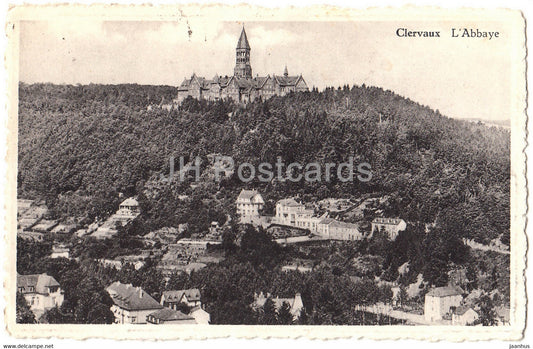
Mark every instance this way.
x=41 y=291
x=201 y=316
x=249 y=203
x=131 y=305
x=440 y=300
x=463 y=316
x=337 y=230
x=129 y=208
x=392 y=226
x=287 y=211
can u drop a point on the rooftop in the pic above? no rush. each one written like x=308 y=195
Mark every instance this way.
x=39 y=282
x=243 y=40
x=167 y=314
x=131 y=298
x=130 y=202
x=192 y=294
x=392 y=221
x=445 y=291
x=289 y=202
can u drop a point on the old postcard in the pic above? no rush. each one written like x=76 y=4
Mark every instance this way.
x=211 y=171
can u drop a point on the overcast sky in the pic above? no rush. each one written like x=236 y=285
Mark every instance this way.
x=462 y=77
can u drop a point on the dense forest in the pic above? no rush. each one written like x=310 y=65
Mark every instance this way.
x=80 y=146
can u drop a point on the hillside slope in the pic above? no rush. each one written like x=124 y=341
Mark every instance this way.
x=80 y=146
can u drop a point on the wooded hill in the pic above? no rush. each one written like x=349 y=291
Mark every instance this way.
x=80 y=146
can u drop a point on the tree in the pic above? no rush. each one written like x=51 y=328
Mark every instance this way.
x=268 y=316
x=487 y=315
x=24 y=313
x=303 y=319
x=402 y=296
x=184 y=308
x=55 y=316
x=471 y=275
x=284 y=314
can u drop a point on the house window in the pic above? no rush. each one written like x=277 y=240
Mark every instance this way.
x=31 y=288
x=133 y=319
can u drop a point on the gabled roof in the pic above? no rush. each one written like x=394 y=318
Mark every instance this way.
x=243 y=41
x=247 y=194
x=39 y=282
x=131 y=298
x=193 y=295
x=391 y=221
x=462 y=310
x=503 y=313
x=130 y=202
x=261 y=81
x=339 y=224
x=287 y=80
x=326 y=221
x=445 y=291
x=224 y=80
x=167 y=314
x=289 y=202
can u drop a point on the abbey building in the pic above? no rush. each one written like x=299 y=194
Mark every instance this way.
x=241 y=86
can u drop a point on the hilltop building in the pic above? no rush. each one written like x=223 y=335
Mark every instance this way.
x=241 y=86
x=41 y=291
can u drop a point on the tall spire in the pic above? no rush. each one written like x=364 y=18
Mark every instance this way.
x=243 y=69
x=243 y=40
x=286 y=71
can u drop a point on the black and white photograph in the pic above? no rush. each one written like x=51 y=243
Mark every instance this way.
x=347 y=172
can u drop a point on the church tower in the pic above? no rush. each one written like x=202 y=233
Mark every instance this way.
x=243 y=69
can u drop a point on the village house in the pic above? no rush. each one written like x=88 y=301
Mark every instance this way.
x=44 y=225
x=329 y=228
x=129 y=208
x=296 y=304
x=392 y=226
x=292 y=213
x=60 y=252
x=131 y=305
x=249 y=203
x=463 y=316
x=241 y=86
x=41 y=291
x=299 y=268
x=440 y=300
x=170 y=317
x=503 y=316
x=190 y=297
x=287 y=210
x=30 y=235
x=29 y=213
x=201 y=316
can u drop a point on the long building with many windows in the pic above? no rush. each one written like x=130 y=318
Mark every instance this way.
x=242 y=86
